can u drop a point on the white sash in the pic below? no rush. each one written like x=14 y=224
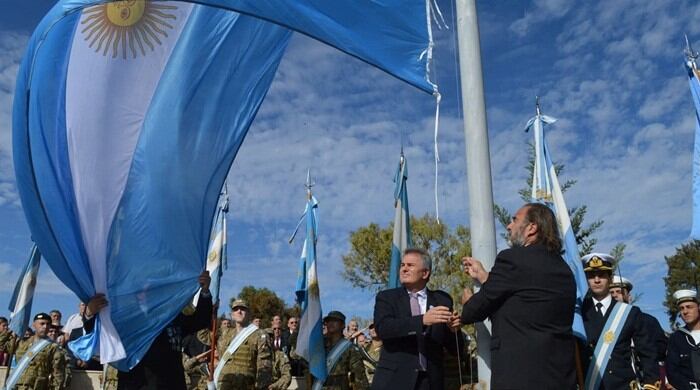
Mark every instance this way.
x=24 y=363
x=606 y=344
x=232 y=347
x=332 y=359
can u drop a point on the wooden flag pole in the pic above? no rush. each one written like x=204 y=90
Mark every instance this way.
x=215 y=310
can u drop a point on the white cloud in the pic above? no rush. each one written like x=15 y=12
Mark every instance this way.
x=543 y=11
x=12 y=47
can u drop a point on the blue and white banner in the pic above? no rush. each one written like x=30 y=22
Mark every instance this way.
x=216 y=255
x=546 y=189
x=402 y=226
x=693 y=76
x=127 y=118
x=310 y=339
x=21 y=301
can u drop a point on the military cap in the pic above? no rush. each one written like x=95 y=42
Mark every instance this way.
x=42 y=316
x=597 y=262
x=619 y=281
x=239 y=303
x=335 y=315
x=685 y=295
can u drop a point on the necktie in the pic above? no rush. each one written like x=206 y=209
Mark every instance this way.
x=416 y=311
x=599 y=308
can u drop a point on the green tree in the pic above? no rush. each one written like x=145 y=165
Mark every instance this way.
x=263 y=303
x=367 y=264
x=682 y=273
x=584 y=233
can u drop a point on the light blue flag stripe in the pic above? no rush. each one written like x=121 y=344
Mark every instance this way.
x=546 y=189
x=389 y=34
x=402 y=224
x=695 y=92
x=21 y=303
x=310 y=339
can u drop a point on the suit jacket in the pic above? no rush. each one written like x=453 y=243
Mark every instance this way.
x=618 y=371
x=403 y=334
x=530 y=296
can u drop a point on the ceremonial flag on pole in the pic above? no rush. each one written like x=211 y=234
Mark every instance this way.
x=310 y=339
x=216 y=255
x=21 y=302
x=402 y=224
x=128 y=115
x=693 y=75
x=546 y=189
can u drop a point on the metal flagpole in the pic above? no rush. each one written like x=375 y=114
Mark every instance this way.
x=481 y=218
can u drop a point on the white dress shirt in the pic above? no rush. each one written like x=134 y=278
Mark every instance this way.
x=606 y=304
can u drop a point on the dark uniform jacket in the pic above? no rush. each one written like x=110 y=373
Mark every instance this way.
x=683 y=360
x=530 y=296
x=161 y=366
x=403 y=334
x=657 y=334
x=618 y=372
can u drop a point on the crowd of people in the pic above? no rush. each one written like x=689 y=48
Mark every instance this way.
x=529 y=295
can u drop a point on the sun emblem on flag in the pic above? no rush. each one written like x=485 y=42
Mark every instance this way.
x=127 y=27
x=213 y=257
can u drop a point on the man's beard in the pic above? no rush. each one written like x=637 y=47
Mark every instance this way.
x=516 y=239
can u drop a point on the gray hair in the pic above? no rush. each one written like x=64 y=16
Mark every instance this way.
x=425 y=257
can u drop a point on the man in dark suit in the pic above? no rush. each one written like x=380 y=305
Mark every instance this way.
x=529 y=295
x=618 y=369
x=413 y=323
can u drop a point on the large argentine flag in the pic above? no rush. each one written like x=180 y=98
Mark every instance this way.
x=546 y=189
x=693 y=75
x=402 y=227
x=127 y=118
x=21 y=301
x=310 y=338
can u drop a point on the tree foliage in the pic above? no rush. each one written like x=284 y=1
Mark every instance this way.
x=683 y=273
x=367 y=264
x=584 y=233
x=263 y=303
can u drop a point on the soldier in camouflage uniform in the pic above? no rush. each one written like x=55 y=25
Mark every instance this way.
x=250 y=367
x=47 y=369
x=7 y=342
x=349 y=372
x=110 y=378
x=373 y=349
x=195 y=358
x=281 y=371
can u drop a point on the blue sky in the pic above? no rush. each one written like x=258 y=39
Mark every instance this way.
x=611 y=72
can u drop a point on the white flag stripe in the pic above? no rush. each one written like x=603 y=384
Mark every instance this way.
x=104 y=118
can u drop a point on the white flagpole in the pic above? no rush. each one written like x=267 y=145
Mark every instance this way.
x=481 y=218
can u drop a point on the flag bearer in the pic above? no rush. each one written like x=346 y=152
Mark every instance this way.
x=245 y=353
x=343 y=361
x=40 y=362
x=611 y=328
